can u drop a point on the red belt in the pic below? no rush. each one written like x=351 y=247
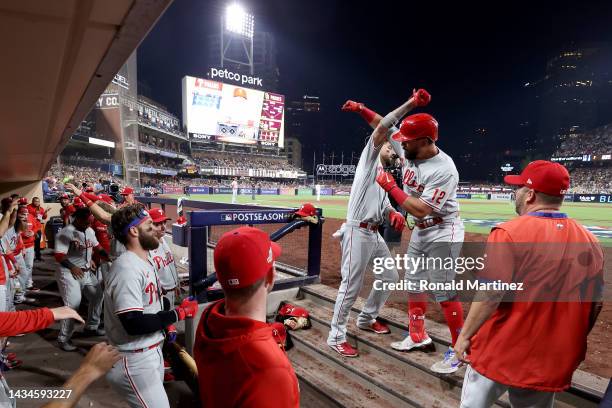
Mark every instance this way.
x=368 y=226
x=143 y=349
x=430 y=222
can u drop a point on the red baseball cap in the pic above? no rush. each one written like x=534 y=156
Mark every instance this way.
x=64 y=195
x=23 y=200
x=127 y=191
x=306 y=210
x=543 y=176
x=243 y=256
x=106 y=198
x=89 y=189
x=157 y=215
x=22 y=210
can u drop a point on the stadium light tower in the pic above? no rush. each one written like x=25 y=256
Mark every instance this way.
x=237 y=30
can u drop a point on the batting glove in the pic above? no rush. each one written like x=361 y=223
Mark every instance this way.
x=352 y=106
x=397 y=221
x=421 y=97
x=386 y=181
x=187 y=308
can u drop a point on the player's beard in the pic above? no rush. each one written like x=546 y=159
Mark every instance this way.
x=148 y=242
x=410 y=155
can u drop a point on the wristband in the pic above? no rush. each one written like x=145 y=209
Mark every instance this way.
x=398 y=195
x=367 y=114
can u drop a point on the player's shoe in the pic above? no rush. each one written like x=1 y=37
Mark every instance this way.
x=449 y=364
x=345 y=349
x=94 y=332
x=375 y=326
x=66 y=345
x=33 y=289
x=408 y=344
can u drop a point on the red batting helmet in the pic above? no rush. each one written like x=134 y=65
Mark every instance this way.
x=417 y=126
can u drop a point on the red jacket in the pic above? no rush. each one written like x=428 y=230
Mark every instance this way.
x=241 y=363
x=26 y=321
x=36 y=212
x=29 y=235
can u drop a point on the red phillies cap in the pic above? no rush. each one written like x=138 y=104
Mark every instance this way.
x=543 y=176
x=306 y=210
x=243 y=256
x=22 y=210
x=157 y=215
x=64 y=195
x=23 y=200
x=127 y=191
x=106 y=198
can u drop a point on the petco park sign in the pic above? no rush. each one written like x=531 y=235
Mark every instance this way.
x=218 y=73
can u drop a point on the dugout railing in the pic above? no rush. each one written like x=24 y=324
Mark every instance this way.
x=206 y=221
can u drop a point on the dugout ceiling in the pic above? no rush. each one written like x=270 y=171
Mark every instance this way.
x=57 y=57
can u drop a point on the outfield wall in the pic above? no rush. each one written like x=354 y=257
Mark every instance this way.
x=578 y=198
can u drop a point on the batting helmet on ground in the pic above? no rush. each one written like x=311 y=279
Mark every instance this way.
x=417 y=126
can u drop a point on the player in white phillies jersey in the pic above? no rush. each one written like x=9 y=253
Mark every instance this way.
x=133 y=312
x=367 y=207
x=430 y=180
x=76 y=275
x=163 y=259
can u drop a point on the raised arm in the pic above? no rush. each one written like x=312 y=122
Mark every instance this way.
x=7 y=216
x=95 y=209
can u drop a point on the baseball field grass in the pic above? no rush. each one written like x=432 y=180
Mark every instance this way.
x=479 y=216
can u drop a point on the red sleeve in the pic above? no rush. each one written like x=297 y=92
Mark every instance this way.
x=26 y=321
x=89 y=196
x=31 y=210
x=19 y=247
x=59 y=256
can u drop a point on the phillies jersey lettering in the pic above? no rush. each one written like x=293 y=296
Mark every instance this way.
x=434 y=181
x=132 y=285
x=163 y=261
x=77 y=245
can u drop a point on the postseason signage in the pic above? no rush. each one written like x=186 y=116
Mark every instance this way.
x=593 y=198
x=336 y=169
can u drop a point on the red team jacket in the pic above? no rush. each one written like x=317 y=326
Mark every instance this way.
x=29 y=235
x=241 y=363
x=26 y=321
x=35 y=211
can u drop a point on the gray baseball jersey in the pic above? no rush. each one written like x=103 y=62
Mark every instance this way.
x=367 y=202
x=77 y=245
x=163 y=261
x=132 y=285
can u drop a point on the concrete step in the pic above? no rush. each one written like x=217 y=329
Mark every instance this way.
x=587 y=389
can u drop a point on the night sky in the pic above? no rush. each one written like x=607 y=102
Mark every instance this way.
x=472 y=58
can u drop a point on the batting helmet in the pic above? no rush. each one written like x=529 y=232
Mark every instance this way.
x=417 y=126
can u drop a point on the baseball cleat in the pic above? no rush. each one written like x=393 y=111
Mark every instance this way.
x=375 y=326
x=408 y=344
x=345 y=349
x=449 y=364
x=67 y=345
x=94 y=332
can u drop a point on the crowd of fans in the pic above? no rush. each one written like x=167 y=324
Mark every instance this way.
x=590 y=180
x=161 y=143
x=59 y=174
x=596 y=141
x=242 y=161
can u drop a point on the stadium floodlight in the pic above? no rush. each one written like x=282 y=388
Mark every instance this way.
x=239 y=21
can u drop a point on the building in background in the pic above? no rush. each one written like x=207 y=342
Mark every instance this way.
x=575 y=95
x=304 y=124
x=293 y=150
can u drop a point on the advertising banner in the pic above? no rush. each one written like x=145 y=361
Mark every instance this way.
x=199 y=190
x=568 y=197
x=327 y=191
x=268 y=191
x=172 y=190
x=222 y=190
x=464 y=195
x=593 y=198
x=304 y=191
x=500 y=196
x=245 y=191
x=480 y=196
x=287 y=191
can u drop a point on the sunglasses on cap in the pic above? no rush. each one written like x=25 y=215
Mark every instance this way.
x=142 y=216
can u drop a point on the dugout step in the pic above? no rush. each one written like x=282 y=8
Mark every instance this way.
x=586 y=391
x=319 y=384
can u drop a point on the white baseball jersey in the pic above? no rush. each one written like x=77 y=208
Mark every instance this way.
x=12 y=238
x=77 y=245
x=367 y=202
x=234 y=184
x=434 y=181
x=163 y=261
x=132 y=285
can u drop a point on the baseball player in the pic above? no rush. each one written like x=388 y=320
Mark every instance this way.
x=128 y=196
x=162 y=257
x=430 y=181
x=234 y=190
x=28 y=236
x=133 y=312
x=40 y=214
x=367 y=208
x=76 y=275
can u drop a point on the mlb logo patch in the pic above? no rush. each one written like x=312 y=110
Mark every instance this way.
x=226 y=217
x=233 y=282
